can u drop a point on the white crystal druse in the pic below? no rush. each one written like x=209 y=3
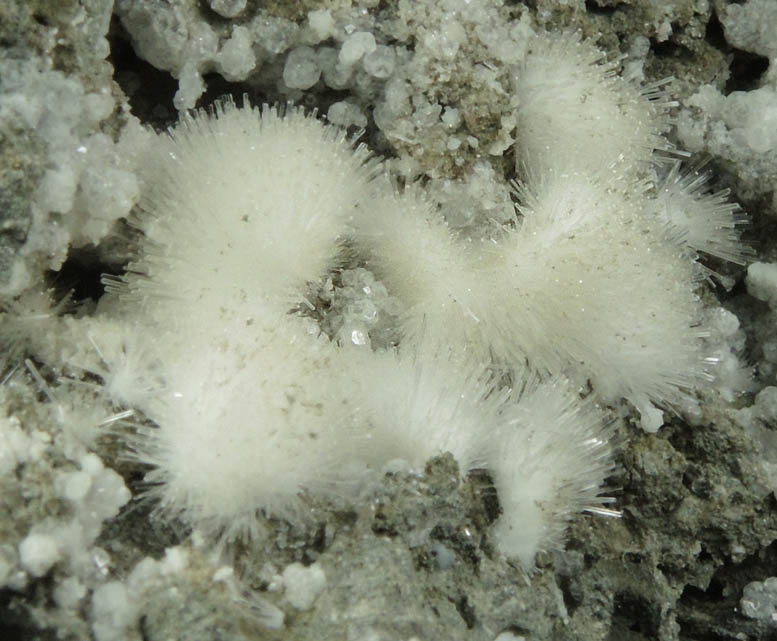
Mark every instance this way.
x=592 y=285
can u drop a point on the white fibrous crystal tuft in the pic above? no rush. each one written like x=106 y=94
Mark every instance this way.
x=301 y=70
x=310 y=387
x=314 y=176
x=549 y=461
x=577 y=308
x=575 y=114
x=705 y=220
x=615 y=318
x=310 y=171
x=410 y=287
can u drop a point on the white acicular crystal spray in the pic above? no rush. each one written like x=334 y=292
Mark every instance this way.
x=610 y=296
x=444 y=282
x=549 y=461
x=577 y=114
x=263 y=422
x=548 y=291
x=245 y=210
x=706 y=221
x=231 y=198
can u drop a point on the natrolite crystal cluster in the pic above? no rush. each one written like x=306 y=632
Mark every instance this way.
x=367 y=287
x=594 y=283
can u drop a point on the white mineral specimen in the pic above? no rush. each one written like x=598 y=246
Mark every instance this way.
x=575 y=114
x=236 y=58
x=18 y=446
x=228 y=8
x=706 y=221
x=752 y=26
x=579 y=283
x=739 y=128
x=301 y=70
x=759 y=600
x=355 y=47
x=380 y=62
x=114 y=612
x=726 y=345
x=346 y=114
x=38 y=552
x=751 y=117
x=321 y=23
x=759 y=421
x=89 y=182
x=762 y=282
x=302 y=585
